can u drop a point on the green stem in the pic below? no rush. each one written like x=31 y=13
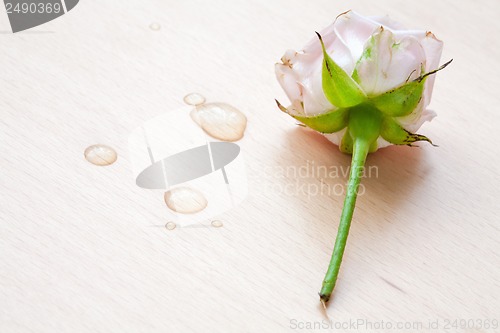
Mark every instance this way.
x=360 y=151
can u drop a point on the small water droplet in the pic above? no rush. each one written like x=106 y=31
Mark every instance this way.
x=101 y=155
x=221 y=121
x=170 y=225
x=217 y=223
x=194 y=99
x=155 y=26
x=185 y=200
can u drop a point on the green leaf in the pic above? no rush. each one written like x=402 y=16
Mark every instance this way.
x=401 y=101
x=329 y=122
x=339 y=88
x=396 y=134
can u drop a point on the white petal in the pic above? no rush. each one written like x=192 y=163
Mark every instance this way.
x=344 y=39
x=413 y=122
x=288 y=81
x=387 y=22
x=336 y=138
x=314 y=98
x=381 y=143
x=302 y=82
x=353 y=30
x=433 y=49
x=388 y=63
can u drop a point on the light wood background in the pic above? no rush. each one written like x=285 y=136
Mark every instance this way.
x=83 y=249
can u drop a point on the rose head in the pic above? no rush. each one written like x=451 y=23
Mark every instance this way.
x=361 y=65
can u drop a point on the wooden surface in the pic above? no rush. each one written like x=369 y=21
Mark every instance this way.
x=83 y=249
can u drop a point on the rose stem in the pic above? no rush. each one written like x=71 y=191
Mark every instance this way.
x=360 y=151
x=364 y=127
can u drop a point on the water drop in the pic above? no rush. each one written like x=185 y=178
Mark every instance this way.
x=155 y=26
x=101 y=155
x=170 y=225
x=221 y=121
x=194 y=99
x=185 y=200
x=217 y=223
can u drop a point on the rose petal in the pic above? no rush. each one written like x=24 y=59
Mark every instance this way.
x=387 y=22
x=387 y=63
x=353 y=30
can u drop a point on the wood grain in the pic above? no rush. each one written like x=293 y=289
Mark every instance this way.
x=82 y=249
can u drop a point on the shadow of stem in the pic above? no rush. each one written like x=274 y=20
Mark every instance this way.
x=391 y=174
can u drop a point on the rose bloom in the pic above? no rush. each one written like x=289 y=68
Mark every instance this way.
x=376 y=51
